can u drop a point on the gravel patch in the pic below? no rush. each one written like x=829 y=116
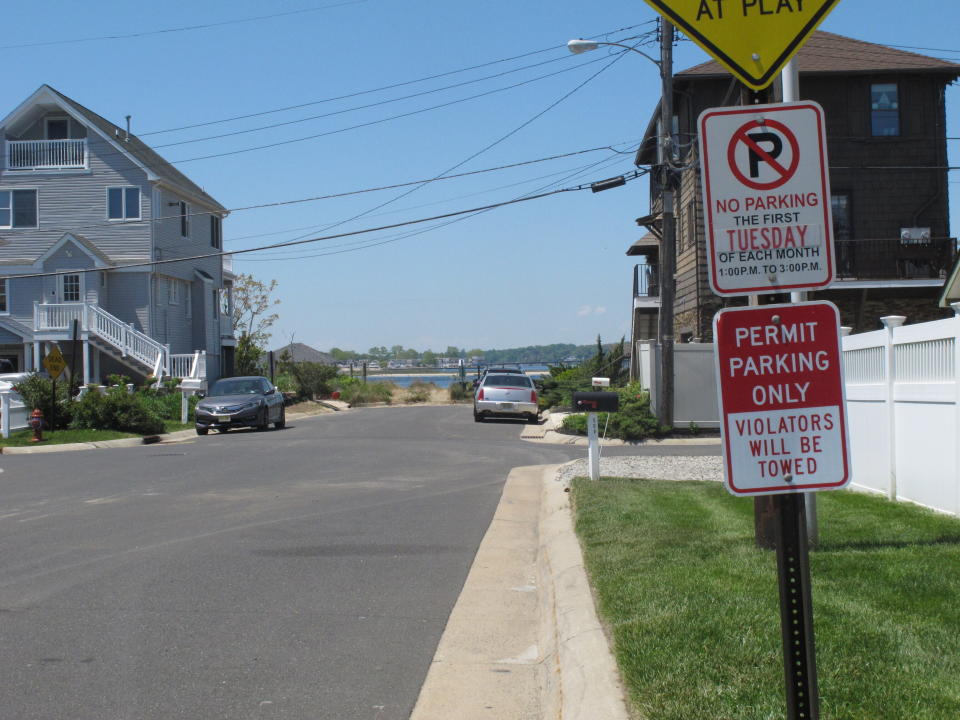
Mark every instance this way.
x=651 y=468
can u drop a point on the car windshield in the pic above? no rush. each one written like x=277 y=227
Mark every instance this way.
x=236 y=386
x=519 y=381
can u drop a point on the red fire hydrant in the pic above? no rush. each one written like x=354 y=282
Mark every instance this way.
x=36 y=422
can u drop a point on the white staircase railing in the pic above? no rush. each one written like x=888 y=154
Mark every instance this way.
x=189 y=366
x=96 y=321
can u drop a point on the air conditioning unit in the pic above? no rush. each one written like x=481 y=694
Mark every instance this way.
x=915 y=236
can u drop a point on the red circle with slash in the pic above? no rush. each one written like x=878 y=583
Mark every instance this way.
x=783 y=173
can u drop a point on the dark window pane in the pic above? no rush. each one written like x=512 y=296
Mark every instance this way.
x=24 y=208
x=114 y=204
x=58 y=129
x=5 y=208
x=133 y=203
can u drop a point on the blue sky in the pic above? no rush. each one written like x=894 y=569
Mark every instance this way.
x=544 y=271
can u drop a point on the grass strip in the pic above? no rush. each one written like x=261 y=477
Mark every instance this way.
x=693 y=612
x=22 y=438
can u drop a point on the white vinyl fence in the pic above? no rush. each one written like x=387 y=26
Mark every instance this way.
x=903 y=405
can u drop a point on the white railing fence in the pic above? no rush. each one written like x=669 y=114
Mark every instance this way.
x=47 y=154
x=903 y=405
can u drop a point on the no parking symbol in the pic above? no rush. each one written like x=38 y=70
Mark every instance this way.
x=766 y=198
x=757 y=152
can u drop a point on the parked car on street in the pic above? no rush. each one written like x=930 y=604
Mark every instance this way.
x=505 y=394
x=240 y=402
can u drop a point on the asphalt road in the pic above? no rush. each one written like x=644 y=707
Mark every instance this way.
x=303 y=573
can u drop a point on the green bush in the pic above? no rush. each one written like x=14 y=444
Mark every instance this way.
x=118 y=410
x=419 y=391
x=634 y=421
x=356 y=392
x=311 y=379
x=461 y=392
x=37 y=392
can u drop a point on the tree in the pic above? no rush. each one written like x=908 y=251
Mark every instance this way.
x=252 y=319
x=429 y=358
x=452 y=351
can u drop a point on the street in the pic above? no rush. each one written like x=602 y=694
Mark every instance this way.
x=303 y=573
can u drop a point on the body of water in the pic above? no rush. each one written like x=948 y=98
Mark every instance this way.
x=442 y=379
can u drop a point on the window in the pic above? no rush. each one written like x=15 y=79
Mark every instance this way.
x=884 y=110
x=3 y=296
x=215 y=303
x=18 y=208
x=123 y=203
x=184 y=219
x=216 y=239
x=842 y=220
x=58 y=128
x=70 y=287
x=174 y=291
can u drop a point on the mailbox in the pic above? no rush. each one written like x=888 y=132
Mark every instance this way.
x=596 y=402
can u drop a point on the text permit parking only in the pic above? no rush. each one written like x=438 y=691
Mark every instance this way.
x=782 y=399
x=766 y=198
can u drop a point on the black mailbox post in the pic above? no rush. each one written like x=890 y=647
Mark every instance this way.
x=596 y=402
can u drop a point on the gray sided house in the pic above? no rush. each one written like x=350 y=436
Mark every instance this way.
x=83 y=198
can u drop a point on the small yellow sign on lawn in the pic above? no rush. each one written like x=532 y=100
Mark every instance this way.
x=753 y=39
x=54 y=363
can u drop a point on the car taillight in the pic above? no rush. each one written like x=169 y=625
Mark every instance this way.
x=480 y=394
x=533 y=396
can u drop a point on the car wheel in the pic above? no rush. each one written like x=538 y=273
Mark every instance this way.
x=263 y=422
x=202 y=431
x=477 y=417
x=533 y=419
x=282 y=422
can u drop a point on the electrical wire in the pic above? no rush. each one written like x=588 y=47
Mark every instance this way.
x=385 y=87
x=202 y=256
x=186 y=28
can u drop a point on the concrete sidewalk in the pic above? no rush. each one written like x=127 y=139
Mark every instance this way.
x=523 y=641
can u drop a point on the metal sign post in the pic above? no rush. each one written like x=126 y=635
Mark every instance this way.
x=796 y=609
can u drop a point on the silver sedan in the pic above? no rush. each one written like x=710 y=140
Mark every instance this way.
x=505 y=395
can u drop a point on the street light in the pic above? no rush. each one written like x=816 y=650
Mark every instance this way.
x=669 y=229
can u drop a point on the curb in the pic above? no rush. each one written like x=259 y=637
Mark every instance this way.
x=587 y=682
x=523 y=641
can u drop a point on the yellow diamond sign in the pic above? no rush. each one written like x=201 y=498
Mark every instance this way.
x=54 y=363
x=753 y=39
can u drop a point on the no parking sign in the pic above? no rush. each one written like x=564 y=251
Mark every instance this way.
x=766 y=198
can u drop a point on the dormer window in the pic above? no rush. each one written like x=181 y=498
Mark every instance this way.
x=57 y=128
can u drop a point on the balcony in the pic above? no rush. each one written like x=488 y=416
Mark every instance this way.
x=895 y=259
x=33 y=155
x=646 y=281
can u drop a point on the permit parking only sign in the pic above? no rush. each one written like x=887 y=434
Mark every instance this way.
x=766 y=198
x=782 y=399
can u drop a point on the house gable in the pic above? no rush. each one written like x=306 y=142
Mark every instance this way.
x=72 y=247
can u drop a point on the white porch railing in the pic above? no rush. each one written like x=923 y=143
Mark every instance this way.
x=47 y=154
x=189 y=366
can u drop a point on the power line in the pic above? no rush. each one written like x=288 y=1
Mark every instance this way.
x=387 y=87
x=604 y=162
x=185 y=28
x=347 y=193
x=289 y=243
x=490 y=145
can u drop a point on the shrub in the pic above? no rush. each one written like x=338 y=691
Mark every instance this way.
x=634 y=421
x=461 y=392
x=357 y=392
x=119 y=410
x=419 y=391
x=311 y=379
x=37 y=392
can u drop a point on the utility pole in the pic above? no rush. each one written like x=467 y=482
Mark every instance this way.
x=668 y=228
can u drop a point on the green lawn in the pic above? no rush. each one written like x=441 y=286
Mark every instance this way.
x=693 y=610
x=21 y=438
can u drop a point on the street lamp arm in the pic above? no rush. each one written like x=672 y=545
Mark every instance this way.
x=579 y=45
